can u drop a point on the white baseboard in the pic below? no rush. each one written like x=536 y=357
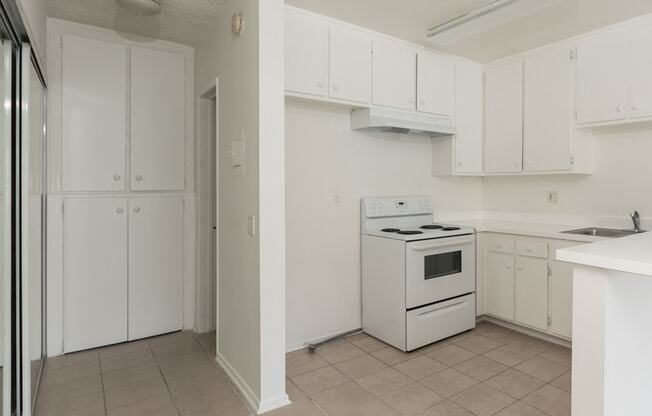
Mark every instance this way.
x=524 y=330
x=250 y=398
x=304 y=344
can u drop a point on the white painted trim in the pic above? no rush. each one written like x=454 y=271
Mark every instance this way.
x=251 y=400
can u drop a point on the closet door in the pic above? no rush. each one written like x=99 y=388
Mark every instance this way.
x=94 y=98
x=95 y=272
x=155 y=266
x=158 y=119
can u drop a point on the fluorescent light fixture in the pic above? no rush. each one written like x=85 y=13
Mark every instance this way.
x=485 y=18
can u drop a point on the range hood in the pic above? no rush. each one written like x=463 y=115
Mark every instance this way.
x=398 y=121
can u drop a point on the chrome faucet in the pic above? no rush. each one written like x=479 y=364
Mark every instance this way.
x=636 y=219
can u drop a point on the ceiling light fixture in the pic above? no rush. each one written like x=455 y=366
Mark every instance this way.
x=141 y=7
x=485 y=18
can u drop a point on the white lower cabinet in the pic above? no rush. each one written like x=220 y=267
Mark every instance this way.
x=123 y=269
x=561 y=298
x=531 y=292
x=95 y=272
x=155 y=266
x=499 y=286
x=525 y=284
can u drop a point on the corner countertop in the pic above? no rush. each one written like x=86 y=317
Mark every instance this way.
x=531 y=229
x=631 y=254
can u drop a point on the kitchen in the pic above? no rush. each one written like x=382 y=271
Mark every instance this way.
x=418 y=211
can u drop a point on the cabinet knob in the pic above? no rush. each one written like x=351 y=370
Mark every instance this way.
x=508 y=266
x=117 y=177
x=619 y=109
x=499 y=246
x=119 y=210
x=519 y=268
x=320 y=84
x=421 y=102
x=529 y=250
x=459 y=164
x=635 y=107
x=336 y=87
x=136 y=209
x=139 y=177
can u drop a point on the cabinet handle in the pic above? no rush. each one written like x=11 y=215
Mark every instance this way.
x=117 y=177
x=136 y=209
x=459 y=164
x=336 y=87
x=529 y=250
x=119 y=210
x=508 y=266
x=499 y=246
x=320 y=84
x=635 y=108
x=139 y=178
x=519 y=268
x=421 y=102
x=619 y=109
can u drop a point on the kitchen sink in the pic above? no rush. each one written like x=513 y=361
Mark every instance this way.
x=602 y=232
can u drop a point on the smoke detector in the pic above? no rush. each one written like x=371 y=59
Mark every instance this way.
x=141 y=7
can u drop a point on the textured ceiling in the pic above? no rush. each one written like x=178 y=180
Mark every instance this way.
x=410 y=19
x=182 y=21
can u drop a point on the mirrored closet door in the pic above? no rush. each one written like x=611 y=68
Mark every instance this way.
x=32 y=227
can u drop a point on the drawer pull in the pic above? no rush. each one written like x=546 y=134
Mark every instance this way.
x=443 y=309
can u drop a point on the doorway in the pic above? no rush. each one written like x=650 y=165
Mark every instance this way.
x=207 y=207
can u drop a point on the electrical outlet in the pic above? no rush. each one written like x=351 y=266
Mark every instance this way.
x=552 y=197
x=251 y=225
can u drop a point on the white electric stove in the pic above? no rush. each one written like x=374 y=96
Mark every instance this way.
x=418 y=277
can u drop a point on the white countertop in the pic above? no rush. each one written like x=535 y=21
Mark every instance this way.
x=531 y=229
x=632 y=254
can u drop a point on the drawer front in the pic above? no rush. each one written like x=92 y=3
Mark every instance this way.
x=532 y=248
x=441 y=320
x=558 y=245
x=501 y=244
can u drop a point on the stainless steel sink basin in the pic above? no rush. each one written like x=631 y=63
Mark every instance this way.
x=602 y=232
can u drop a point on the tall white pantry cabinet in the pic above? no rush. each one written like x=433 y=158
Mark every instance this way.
x=121 y=171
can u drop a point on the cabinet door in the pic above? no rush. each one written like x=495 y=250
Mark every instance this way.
x=499 y=285
x=394 y=74
x=350 y=65
x=561 y=299
x=531 y=292
x=503 y=144
x=435 y=84
x=468 y=118
x=95 y=272
x=603 y=77
x=641 y=70
x=158 y=119
x=94 y=102
x=155 y=266
x=548 y=110
x=306 y=54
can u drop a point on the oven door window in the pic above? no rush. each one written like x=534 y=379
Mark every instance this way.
x=443 y=264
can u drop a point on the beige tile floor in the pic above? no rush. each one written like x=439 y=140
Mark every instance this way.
x=170 y=375
x=487 y=371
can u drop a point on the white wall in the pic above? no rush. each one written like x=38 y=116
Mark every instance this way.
x=251 y=338
x=620 y=184
x=34 y=13
x=324 y=158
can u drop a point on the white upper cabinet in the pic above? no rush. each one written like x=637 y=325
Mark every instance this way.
x=503 y=145
x=158 y=117
x=641 y=70
x=435 y=84
x=394 y=74
x=548 y=110
x=306 y=54
x=603 y=77
x=350 y=65
x=94 y=123
x=468 y=114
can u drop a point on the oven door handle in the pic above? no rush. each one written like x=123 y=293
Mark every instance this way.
x=442 y=242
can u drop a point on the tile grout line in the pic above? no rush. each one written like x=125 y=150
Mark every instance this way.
x=99 y=360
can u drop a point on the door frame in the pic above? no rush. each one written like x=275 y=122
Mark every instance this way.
x=207 y=287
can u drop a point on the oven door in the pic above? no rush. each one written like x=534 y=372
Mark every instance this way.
x=439 y=269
